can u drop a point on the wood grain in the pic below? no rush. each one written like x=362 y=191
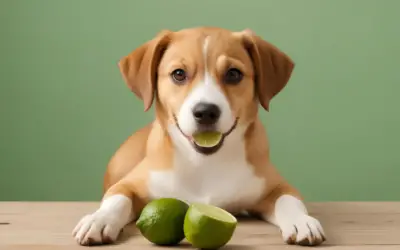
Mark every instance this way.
x=349 y=226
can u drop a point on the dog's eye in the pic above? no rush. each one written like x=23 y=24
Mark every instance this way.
x=233 y=76
x=178 y=76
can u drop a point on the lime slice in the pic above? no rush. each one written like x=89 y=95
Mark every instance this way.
x=208 y=227
x=161 y=221
x=207 y=139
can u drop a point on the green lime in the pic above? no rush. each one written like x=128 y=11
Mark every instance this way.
x=207 y=139
x=161 y=221
x=208 y=227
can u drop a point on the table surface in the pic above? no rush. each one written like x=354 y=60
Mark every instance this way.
x=348 y=225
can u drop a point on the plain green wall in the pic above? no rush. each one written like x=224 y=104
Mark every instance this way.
x=64 y=108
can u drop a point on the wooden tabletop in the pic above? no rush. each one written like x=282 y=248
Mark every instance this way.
x=349 y=226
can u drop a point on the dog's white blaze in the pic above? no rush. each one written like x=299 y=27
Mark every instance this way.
x=291 y=216
x=223 y=179
x=205 y=50
x=208 y=91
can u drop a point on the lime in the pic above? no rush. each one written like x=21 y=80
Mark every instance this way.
x=207 y=139
x=208 y=227
x=161 y=221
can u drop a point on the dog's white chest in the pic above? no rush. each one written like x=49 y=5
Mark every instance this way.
x=224 y=180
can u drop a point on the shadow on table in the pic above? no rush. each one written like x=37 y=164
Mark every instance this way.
x=131 y=231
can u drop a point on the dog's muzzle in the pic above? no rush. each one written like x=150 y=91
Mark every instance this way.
x=206 y=117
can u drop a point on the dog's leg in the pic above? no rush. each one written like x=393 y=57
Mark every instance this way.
x=115 y=212
x=284 y=208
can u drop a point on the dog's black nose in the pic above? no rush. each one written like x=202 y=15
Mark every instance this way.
x=206 y=113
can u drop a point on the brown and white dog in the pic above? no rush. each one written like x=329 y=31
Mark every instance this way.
x=199 y=79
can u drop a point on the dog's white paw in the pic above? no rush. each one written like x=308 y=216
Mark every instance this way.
x=101 y=227
x=302 y=230
x=104 y=225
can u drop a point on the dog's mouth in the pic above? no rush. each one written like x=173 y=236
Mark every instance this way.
x=206 y=140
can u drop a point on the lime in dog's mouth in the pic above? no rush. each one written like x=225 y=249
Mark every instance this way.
x=207 y=139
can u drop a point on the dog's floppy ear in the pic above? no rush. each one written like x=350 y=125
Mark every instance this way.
x=273 y=68
x=139 y=68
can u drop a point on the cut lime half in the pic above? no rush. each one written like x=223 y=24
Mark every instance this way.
x=207 y=139
x=208 y=227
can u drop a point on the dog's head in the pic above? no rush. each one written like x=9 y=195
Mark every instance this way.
x=206 y=79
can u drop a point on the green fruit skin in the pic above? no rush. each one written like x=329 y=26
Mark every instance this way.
x=196 y=229
x=162 y=225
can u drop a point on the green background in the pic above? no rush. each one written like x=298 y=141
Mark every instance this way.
x=334 y=131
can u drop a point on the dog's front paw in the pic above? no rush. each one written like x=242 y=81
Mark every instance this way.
x=101 y=227
x=302 y=230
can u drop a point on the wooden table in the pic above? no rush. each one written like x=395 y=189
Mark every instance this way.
x=349 y=226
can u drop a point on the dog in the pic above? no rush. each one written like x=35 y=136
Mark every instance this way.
x=202 y=79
